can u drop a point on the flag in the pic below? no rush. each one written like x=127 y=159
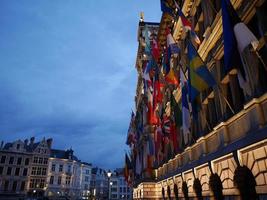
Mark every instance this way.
x=172 y=46
x=166 y=61
x=138 y=167
x=150 y=146
x=195 y=37
x=231 y=55
x=186 y=120
x=127 y=169
x=155 y=50
x=171 y=77
x=151 y=116
x=237 y=37
x=146 y=73
x=158 y=140
x=176 y=111
x=199 y=76
x=166 y=8
x=166 y=124
x=185 y=22
x=131 y=135
x=187 y=25
x=147 y=41
x=157 y=94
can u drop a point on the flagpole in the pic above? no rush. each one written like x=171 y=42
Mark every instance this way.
x=220 y=90
x=260 y=58
x=227 y=102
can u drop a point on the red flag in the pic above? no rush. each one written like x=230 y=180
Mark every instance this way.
x=155 y=50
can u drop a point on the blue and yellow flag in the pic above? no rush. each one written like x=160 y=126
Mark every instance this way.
x=200 y=77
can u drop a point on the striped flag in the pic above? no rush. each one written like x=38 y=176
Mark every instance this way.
x=200 y=77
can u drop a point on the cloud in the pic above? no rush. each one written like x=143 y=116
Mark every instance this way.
x=68 y=72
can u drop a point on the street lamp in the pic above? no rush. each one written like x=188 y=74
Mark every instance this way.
x=109 y=183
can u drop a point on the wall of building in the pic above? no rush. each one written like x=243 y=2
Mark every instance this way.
x=227 y=155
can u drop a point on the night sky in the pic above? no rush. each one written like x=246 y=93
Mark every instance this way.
x=67 y=71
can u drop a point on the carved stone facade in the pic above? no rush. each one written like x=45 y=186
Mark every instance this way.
x=229 y=158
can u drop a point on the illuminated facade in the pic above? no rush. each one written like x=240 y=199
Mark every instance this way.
x=23 y=168
x=226 y=157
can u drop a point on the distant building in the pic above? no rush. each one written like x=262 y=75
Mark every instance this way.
x=99 y=184
x=86 y=177
x=23 y=167
x=64 y=175
x=118 y=187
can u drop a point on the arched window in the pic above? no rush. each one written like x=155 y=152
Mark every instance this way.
x=216 y=186
x=245 y=182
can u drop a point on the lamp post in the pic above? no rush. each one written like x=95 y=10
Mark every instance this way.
x=109 y=175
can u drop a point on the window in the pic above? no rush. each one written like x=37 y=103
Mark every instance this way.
x=39 y=170
x=6 y=185
x=42 y=183
x=44 y=171
x=3 y=159
x=27 y=160
x=35 y=159
x=11 y=160
x=53 y=167
x=9 y=170
x=51 y=181
x=19 y=161
x=18 y=146
x=14 y=186
x=59 y=180
x=85 y=187
x=69 y=168
x=40 y=160
x=17 y=171
x=1 y=170
x=68 y=178
x=45 y=161
x=60 y=168
x=32 y=182
x=34 y=170
x=25 y=171
x=86 y=179
x=87 y=171
x=22 y=185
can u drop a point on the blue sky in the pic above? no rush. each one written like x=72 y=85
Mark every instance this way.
x=67 y=71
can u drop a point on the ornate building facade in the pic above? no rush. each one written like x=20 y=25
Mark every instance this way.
x=224 y=155
x=23 y=167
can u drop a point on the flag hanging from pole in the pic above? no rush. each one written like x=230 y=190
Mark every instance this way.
x=166 y=8
x=186 y=120
x=237 y=37
x=172 y=46
x=200 y=77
